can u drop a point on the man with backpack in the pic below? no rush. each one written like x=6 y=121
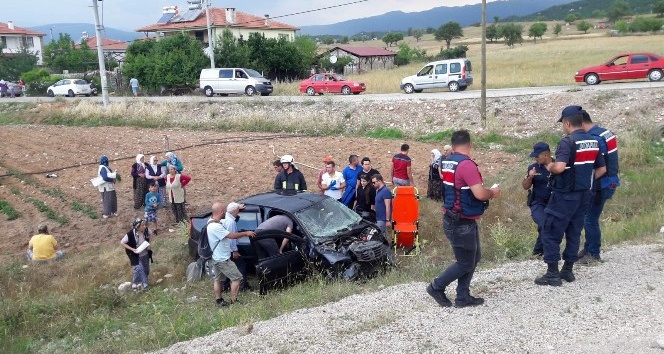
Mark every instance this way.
x=221 y=264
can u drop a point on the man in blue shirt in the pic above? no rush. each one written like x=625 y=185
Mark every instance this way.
x=221 y=264
x=350 y=173
x=383 y=203
x=537 y=178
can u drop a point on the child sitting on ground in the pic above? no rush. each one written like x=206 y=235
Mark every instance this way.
x=152 y=202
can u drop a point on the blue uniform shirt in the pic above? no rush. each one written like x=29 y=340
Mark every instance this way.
x=541 y=189
x=382 y=195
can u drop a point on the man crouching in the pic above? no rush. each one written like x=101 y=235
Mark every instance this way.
x=221 y=264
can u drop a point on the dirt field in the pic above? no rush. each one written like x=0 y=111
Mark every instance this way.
x=239 y=164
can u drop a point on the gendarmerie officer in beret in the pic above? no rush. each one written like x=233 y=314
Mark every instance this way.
x=537 y=182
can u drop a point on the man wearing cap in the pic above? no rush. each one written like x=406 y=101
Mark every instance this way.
x=604 y=189
x=319 y=181
x=43 y=246
x=537 y=178
x=578 y=162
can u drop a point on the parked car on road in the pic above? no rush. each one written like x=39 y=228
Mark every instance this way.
x=331 y=83
x=70 y=88
x=326 y=236
x=12 y=88
x=455 y=74
x=225 y=81
x=624 y=67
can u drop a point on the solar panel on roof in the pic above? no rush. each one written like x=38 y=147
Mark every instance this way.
x=188 y=15
x=166 y=17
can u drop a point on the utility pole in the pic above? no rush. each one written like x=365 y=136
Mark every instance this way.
x=52 y=33
x=483 y=79
x=100 y=56
x=198 y=5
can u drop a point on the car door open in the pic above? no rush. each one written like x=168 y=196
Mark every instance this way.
x=281 y=269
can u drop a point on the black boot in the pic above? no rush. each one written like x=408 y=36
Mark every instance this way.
x=566 y=272
x=551 y=277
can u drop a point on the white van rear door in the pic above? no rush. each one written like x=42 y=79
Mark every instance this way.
x=440 y=77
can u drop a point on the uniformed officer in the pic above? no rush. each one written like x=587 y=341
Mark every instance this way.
x=578 y=162
x=465 y=199
x=537 y=178
x=604 y=189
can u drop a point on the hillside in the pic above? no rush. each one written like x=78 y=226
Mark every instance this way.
x=585 y=8
x=75 y=30
x=400 y=21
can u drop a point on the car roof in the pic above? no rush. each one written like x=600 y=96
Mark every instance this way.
x=289 y=202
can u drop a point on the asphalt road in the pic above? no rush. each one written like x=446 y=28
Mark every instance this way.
x=437 y=95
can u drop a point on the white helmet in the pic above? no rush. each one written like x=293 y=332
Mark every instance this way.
x=287 y=159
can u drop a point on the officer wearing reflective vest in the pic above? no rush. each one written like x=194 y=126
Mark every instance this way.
x=578 y=162
x=464 y=200
x=604 y=188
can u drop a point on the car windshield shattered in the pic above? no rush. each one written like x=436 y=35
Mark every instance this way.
x=327 y=218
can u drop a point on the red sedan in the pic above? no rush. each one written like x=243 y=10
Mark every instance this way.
x=624 y=67
x=331 y=83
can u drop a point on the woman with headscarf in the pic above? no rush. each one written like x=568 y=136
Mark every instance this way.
x=109 y=199
x=435 y=187
x=171 y=159
x=156 y=174
x=175 y=183
x=140 y=183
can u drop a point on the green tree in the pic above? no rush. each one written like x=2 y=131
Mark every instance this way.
x=646 y=24
x=536 y=30
x=584 y=26
x=392 y=37
x=599 y=14
x=570 y=18
x=64 y=55
x=618 y=10
x=231 y=52
x=174 y=61
x=308 y=48
x=492 y=32
x=557 y=29
x=448 y=32
x=430 y=30
x=13 y=67
x=327 y=40
x=621 y=26
x=418 y=33
x=658 y=8
x=344 y=40
x=513 y=33
x=496 y=19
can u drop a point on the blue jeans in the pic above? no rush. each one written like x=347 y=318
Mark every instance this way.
x=465 y=241
x=564 y=216
x=591 y=221
x=142 y=270
x=538 y=215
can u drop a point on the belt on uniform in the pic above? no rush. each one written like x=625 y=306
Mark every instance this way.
x=457 y=219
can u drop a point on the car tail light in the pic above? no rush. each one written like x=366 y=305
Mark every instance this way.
x=463 y=72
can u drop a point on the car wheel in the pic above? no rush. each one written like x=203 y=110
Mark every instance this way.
x=345 y=90
x=311 y=91
x=208 y=91
x=655 y=75
x=250 y=90
x=463 y=88
x=70 y=93
x=591 y=79
x=50 y=93
x=408 y=88
x=453 y=86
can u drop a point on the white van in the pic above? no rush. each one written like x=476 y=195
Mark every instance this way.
x=455 y=74
x=224 y=81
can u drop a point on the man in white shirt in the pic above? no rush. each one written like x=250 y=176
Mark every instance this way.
x=333 y=182
x=221 y=264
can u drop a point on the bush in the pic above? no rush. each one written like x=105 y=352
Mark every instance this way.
x=646 y=24
x=453 y=53
x=39 y=87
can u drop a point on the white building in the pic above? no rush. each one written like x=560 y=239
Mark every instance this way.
x=13 y=39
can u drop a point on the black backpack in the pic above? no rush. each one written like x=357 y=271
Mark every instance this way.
x=204 y=249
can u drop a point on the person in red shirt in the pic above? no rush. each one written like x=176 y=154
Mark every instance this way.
x=465 y=199
x=402 y=174
x=175 y=183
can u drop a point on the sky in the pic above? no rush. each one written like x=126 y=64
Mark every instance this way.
x=131 y=14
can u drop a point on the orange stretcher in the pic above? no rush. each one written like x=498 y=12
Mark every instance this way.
x=405 y=220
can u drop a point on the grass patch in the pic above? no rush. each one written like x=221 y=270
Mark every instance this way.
x=8 y=209
x=85 y=209
x=385 y=133
x=55 y=193
x=437 y=137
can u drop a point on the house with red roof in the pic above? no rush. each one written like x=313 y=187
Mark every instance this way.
x=364 y=58
x=111 y=48
x=193 y=22
x=13 y=39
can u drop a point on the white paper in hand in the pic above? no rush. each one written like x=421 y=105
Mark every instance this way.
x=142 y=247
x=495 y=185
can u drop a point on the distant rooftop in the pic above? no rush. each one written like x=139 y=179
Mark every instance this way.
x=218 y=18
x=4 y=29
